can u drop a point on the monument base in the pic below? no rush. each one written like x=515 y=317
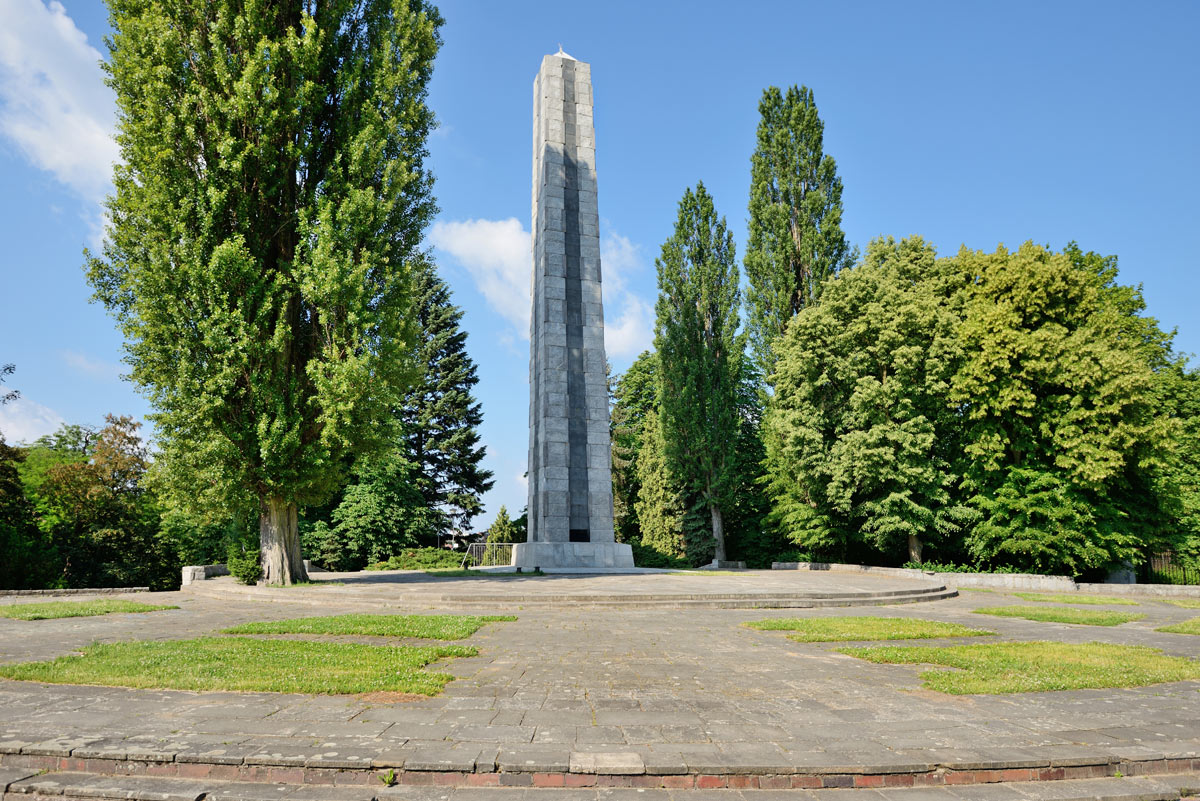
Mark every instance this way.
x=572 y=554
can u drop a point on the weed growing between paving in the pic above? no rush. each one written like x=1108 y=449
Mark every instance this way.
x=847 y=629
x=1042 y=614
x=1019 y=667
x=1067 y=598
x=56 y=609
x=430 y=627
x=1186 y=627
x=248 y=665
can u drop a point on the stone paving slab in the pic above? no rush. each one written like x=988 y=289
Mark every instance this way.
x=69 y=786
x=685 y=692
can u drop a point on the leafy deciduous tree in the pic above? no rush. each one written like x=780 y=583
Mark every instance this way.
x=271 y=197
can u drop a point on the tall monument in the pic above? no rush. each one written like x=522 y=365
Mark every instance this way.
x=570 y=469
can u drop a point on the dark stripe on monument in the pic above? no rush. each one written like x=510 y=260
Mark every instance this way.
x=577 y=474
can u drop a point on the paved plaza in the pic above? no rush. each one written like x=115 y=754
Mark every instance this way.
x=659 y=691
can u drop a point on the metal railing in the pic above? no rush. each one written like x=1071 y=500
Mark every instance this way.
x=486 y=554
x=1161 y=568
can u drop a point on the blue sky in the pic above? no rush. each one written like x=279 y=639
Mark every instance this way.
x=966 y=123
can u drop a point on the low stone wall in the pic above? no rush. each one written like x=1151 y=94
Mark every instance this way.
x=76 y=591
x=202 y=572
x=1003 y=581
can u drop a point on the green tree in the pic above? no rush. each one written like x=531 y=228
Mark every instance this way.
x=11 y=395
x=860 y=439
x=440 y=417
x=100 y=519
x=503 y=529
x=1063 y=437
x=696 y=337
x=28 y=562
x=659 y=506
x=634 y=396
x=271 y=197
x=796 y=239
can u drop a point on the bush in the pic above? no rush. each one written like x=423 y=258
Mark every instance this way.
x=794 y=556
x=936 y=567
x=420 y=559
x=644 y=556
x=242 y=560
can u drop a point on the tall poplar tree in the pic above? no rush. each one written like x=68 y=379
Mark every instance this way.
x=699 y=349
x=271 y=196
x=796 y=239
x=441 y=418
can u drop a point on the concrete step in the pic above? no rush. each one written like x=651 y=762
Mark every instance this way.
x=71 y=786
x=749 y=600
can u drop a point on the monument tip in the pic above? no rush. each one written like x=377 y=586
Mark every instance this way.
x=561 y=54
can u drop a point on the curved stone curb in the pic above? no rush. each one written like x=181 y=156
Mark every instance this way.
x=717 y=600
x=599 y=770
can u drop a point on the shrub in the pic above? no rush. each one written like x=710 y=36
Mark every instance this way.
x=420 y=559
x=242 y=559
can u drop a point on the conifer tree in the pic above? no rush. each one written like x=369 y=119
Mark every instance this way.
x=659 y=505
x=503 y=529
x=271 y=195
x=634 y=396
x=796 y=239
x=696 y=336
x=441 y=418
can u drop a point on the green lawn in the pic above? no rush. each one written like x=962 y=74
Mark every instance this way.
x=1019 y=667
x=1186 y=627
x=1186 y=603
x=430 y=627
x=57 y=609
x=1071 y=598
x=248 y=665
x=844 y=629
x=1043 y=614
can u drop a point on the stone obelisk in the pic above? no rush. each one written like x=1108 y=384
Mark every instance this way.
x=570 y=470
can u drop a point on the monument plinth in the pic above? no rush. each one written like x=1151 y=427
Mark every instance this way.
x=570 y=468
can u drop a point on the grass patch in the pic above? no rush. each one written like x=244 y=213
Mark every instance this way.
x=1023 y=667
x=1186 y=627
x=430 y=627
x=56 y=609
x=1186 y=603
x=248 y=665
x=842 y=629
x=1042 y=614
x=1070 y=598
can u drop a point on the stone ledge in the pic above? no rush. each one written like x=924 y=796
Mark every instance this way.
x=91 y=591
x=616 y=769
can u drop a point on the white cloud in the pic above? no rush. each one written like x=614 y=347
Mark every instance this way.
x=628 y=318
x=96 y=368
x=54 y=105
x=24 y=420
x=497 y=255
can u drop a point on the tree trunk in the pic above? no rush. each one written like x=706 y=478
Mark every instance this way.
x=279 y=543
x=718 y=524
x=914 y=548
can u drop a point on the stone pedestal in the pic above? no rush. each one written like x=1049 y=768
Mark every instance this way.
x=570 y=471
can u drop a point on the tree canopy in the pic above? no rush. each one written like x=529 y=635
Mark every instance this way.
x=270 y=201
